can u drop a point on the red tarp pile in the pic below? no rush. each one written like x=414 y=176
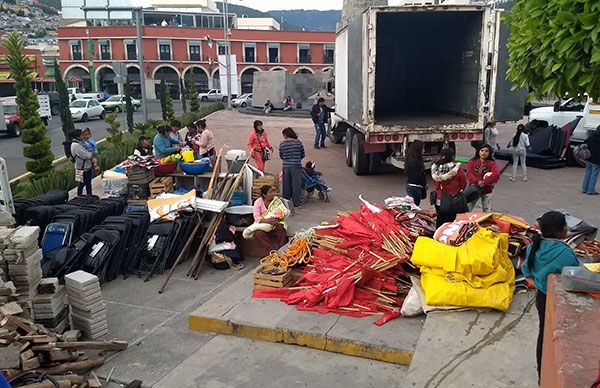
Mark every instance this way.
x=355 y=267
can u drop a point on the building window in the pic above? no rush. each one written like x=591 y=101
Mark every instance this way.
x=249 y=52
x=273 y=53
x=76 y=53
x=194 y=51
x=130 y=50
x=164 y=50
x=328 y=53
x=105 y=53
x=222 y=48
x=303 y=53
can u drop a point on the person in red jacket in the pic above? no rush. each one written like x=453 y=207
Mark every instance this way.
x=482 y=172
x=447 y=176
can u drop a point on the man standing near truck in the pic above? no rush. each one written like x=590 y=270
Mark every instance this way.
x=320 y=116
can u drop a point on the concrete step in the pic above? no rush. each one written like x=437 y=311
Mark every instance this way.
x=234 y=312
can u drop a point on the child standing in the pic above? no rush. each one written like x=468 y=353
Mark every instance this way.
x=518 y=146
x=90 y=146
x=547 y=254
x=482 y=172
x=291 y=152
x=416 y=180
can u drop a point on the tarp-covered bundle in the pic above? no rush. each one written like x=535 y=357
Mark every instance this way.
x=477 y=273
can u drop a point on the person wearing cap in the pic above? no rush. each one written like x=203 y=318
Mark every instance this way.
x=164 y=144
x=144 y=147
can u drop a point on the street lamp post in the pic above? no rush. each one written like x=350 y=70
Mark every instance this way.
x=226 y=33
x=90 y=50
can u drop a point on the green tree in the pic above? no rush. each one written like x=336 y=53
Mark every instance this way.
x=170 y=112
x=114 y=128
x=554 y=46
x=34 y=131
x=183 y=100
x=163 y=98
x=128 y=106
x=64 y=101
x=194 y=105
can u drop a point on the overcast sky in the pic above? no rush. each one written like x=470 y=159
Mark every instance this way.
x=269 y=5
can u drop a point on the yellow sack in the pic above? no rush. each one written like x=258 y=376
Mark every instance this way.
x=479 y=255
x=439 y=291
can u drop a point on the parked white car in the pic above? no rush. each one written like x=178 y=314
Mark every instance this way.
x=212 y=95
x=82 y=110
x=118 y=104
x=243 y=100
x=567 y=111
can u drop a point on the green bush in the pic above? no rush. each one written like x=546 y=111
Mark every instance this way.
x=62 y=178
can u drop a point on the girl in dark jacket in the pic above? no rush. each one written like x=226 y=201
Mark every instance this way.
x=447 y=176
x=483 y=173
x=416 y=181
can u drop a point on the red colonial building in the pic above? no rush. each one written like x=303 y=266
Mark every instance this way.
x=171 y=53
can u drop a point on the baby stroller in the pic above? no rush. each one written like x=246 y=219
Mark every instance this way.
x=315 y=183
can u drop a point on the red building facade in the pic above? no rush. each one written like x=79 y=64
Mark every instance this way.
x=171 y=53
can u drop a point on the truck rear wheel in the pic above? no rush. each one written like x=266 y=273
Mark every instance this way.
x=360 y=161
x=349 y=137
x=336 y=134
x=15 y=130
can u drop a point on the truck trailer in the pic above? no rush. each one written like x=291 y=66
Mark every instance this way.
x=433 y=73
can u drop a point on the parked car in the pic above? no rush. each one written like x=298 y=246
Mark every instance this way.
x=79 y=95
x=564 y=112
x=12 y=121
x=243 y=100
x=82 y=110
x=117 y=104
x=212 y=95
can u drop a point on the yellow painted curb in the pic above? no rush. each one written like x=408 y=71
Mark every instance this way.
x=295 y=337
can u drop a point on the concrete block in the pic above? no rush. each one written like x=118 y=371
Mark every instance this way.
x=80 y=279
x=25 y=237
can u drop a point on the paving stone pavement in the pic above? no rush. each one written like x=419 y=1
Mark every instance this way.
x=164 y=353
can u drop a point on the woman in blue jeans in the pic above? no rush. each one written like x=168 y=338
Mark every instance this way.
x=592 y=165
x=416 y=180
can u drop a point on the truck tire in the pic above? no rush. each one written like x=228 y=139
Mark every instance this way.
x=54 y=109
x=45 y=121
x=336 y=135
x=374 y=163
x=204 y=99
x=360 y=161
x=15 y=131
x=224 y=99
x=349 y=137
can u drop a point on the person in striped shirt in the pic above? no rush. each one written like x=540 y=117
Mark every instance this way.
x=291 y=153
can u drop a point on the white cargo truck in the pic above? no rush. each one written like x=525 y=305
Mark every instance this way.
x=434 y=73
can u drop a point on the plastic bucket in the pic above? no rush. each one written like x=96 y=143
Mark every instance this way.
x=188 y=156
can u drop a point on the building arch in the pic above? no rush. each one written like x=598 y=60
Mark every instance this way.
x=78 y=76
x=169 y=74
x=277 y=68
x=304 y=70
x=247 y=78
x=133 y=65
x=201 y=77
x=163 y=66
x=325 y=69
x=105 y=79
x=133 y=76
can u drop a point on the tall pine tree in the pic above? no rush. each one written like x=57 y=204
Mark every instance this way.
x=183 y=99
x=163 y=99
x=170 y=112
x=34 y=131
x=64 y=102
x=194 y=105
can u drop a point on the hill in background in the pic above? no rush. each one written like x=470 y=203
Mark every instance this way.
x=292 y=20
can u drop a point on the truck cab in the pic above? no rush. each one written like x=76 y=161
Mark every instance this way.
x=566 y=111
x=12 y=120
x=212 y=95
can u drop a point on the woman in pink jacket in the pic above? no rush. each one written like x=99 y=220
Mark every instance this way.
x=259 y=146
